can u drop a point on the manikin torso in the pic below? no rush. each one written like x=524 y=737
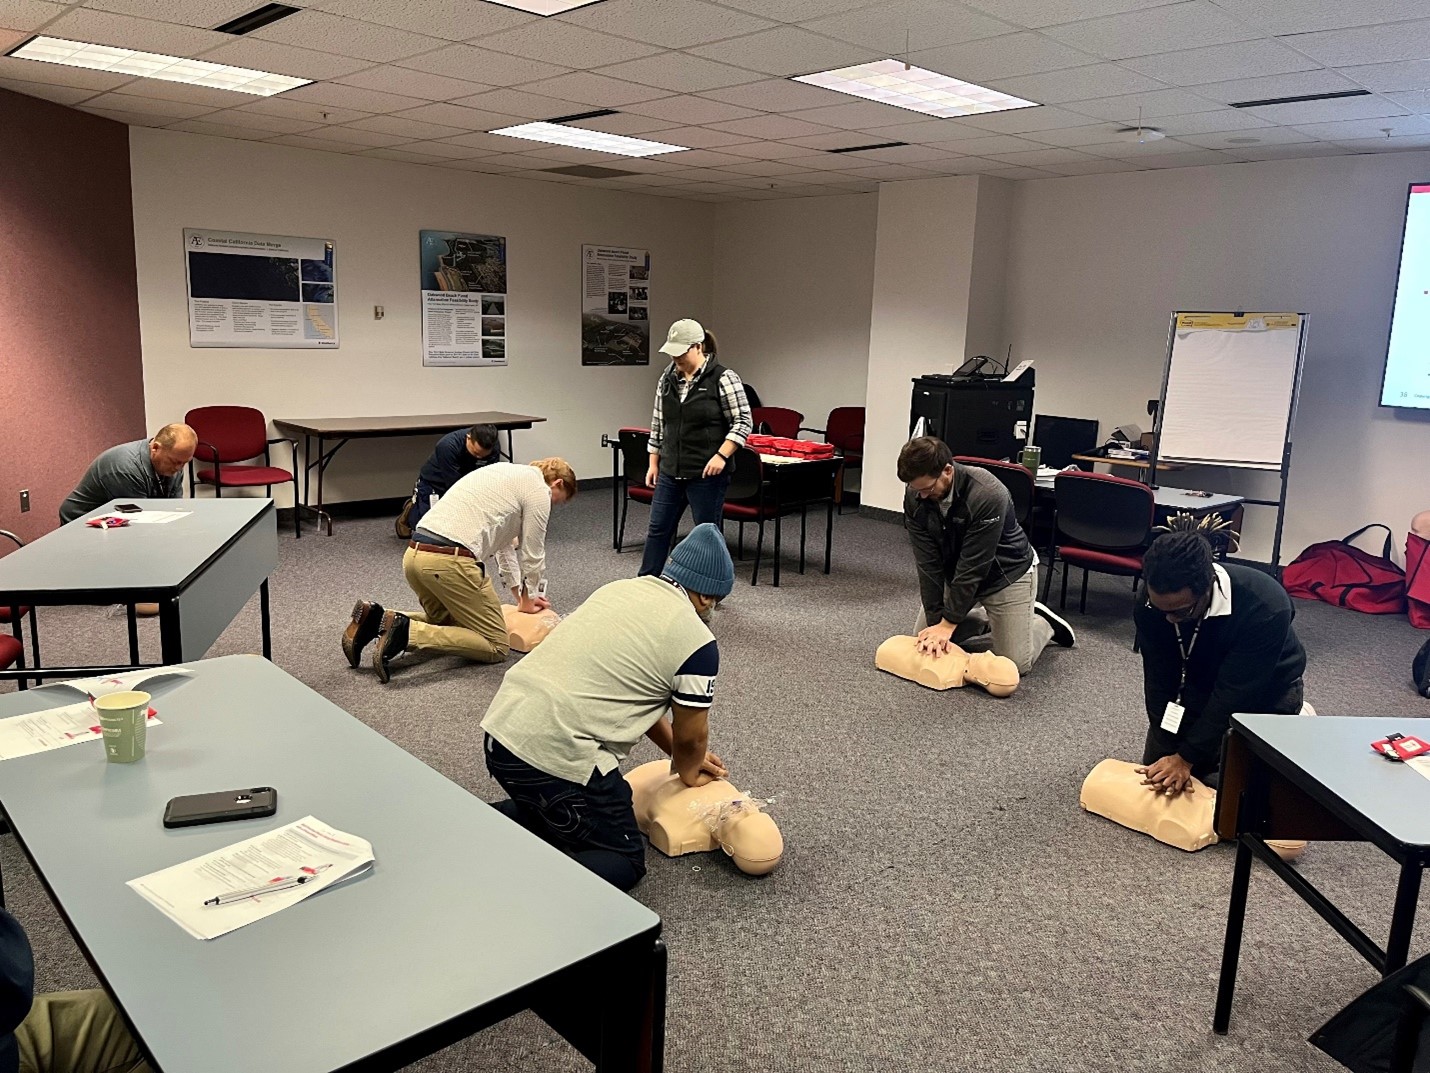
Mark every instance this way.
x=681 y=819
x=526 y=631
x=900 y=656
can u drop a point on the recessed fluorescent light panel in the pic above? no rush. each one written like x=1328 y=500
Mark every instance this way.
x=595 y=140
x=544 y=7
x=891 y=82
x=127 y=61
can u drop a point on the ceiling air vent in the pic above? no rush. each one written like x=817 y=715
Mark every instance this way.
x=1303 y=98
x=589 y=171
x=866 y=148
x=256 y=19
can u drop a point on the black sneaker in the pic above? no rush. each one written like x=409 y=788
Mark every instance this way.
x=367 y=617
x=391 y=641
x=1062 y=631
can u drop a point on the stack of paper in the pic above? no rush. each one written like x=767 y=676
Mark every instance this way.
x=222 y=891
x=118 y=683
x=53 y=728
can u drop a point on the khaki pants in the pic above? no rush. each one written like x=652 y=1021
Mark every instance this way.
x=77 y=1032
x=460 y=614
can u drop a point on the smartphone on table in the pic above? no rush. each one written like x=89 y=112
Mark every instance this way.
x=196 y=809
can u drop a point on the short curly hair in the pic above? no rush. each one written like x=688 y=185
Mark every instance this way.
x=1177 y=561
x=558 y=470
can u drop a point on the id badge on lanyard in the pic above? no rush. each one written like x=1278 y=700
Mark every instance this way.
x=1172 y=716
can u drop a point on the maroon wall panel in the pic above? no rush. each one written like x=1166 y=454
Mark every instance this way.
x=71 y=374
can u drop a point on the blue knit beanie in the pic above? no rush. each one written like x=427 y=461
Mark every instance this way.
x=701 y=563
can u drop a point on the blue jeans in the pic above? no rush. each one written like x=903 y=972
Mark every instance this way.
x=594 y=824
x=706 y=496
x=423 y=494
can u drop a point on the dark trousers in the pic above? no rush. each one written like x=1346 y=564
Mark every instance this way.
x=706 y=496
x=1160 y=743
x=423 y=496
x=595 y=824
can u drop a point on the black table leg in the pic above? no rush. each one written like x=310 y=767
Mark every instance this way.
x=171 y=641
x=510 y=450
x=803 y=528
x=616 y=496
x=133 y=635
x=267 y=621
x=828 y=533
x=779 y=512
x=1402 y=921
x=632 y=1022
x=1231 y=949
x=307 y=470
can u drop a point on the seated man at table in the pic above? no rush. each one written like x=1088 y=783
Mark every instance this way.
x=481 y=516
x=456 y=454
x=144 y=469
x=570 y=712
x=62 y=1032
x=1216 y=639
x=977 y=571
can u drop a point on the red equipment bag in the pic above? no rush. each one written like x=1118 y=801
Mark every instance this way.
x=1417 y=579
x=1338 y=573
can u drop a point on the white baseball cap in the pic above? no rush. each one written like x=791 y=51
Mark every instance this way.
x=683 y=335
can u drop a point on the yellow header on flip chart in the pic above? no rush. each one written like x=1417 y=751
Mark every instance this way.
x=1236 y=321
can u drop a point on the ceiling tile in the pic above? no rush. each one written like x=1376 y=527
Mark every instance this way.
x=777 y=95
x=669 y=23
x=237 y=117
x=118 y=102
x=283 y=59
x=652 y=180
x=54 y=74
x=410 y=83
x=765 y=150
x=1368 y=44
x=1195 y=159
x=795 y=10
x=399 y=154
x=988 y=144
x=860 y=115
x=454 y=115
x=561 y=42
x=690 y=109
x=1020 y=173
x=975 y=165
x=358 y=136
x=840 y=139
x=304 y=141
x=896 y=25
x=701 y=137
x=626 y=123
x=221 y=130
x=1072 y=137
x=481 y=65
x=28 y=15
x=1367 y=128
x=925 y=156
x=1035 y=13
x=772 y=126
x=1148 y=105
x=1386 y=145
x=762 y=167
x=1271 y=86
x=414 y=129
x=1162 y=29
x=59 y=94
x=816 y=161
x=707 y=158
x=786 y=50
x=10 y=38
x=447 y=150
x=1076 y=84
x=1221 y=63
x=1285 y=152
x=1342 y=108
x=1130 y=150
x=1218 y=121
x=131 y=119
x=455 y=20
x=518 y=102
x=1034 y=158
x=1403 y=74
x=596 y=91
x=1417 y=100
x=890 y=172
x=125 y=31
x=325 y=114
x=206 y=95
x=679 y=72
x=929 y=130
x=347 y=37
x=481 y=165
x=364 y=100
x=486 y=143
x=1095 y=167
x=1242 y=139
x=201 y=13
x=1302 y=16
x=1001 y=57
x=1026 y=120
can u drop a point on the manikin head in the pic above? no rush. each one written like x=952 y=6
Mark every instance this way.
x=680 y=819
x=701 y=565
x=1179 y=576
x=926 y=466
x=560 y=478
x=482 y=441
x=172 y=448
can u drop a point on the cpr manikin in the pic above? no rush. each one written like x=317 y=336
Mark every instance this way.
x=680 y=819
x=901 y=656
x=526 y=631
x=1420 y=524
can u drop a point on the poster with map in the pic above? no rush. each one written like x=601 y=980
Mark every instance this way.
x=267 y=291
x=615 y=306
x=463 y=298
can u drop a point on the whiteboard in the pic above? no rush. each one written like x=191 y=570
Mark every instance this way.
x=1230 y=388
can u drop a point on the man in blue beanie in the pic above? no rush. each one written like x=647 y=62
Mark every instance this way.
x=570 y=711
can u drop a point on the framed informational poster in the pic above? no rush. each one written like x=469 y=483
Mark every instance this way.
x=463 y=299
x=260 y=290
x=615 y=306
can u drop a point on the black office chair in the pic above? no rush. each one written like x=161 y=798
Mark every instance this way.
x=1386 y=1029
x=635 y=460
x=1017 y=479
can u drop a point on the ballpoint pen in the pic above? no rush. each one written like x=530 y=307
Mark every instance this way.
x=273 y=886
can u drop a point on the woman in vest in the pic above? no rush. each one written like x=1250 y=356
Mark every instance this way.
x=701 y=417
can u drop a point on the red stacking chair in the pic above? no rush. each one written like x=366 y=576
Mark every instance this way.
x=12 y=649
x=779 y=420
x=1017 y=479
x=229 y=435
x=844 y=428
x=1103 y=524
x=635 y=460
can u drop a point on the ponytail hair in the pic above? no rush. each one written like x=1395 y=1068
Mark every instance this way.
x=708 y=345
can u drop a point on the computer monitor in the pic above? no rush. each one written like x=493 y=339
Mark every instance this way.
x=1062 y=437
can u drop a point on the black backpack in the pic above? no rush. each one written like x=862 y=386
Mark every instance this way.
x=1420 y=670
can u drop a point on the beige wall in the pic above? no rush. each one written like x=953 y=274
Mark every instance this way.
x=373 y=210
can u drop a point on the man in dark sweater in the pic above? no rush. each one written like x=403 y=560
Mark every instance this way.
x=1216 y=639
x=456 y=454
x=63 y=1032
x=977 y=571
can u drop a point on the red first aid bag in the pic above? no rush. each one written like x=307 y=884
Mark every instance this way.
x=1339 y=573
x=1417 y=580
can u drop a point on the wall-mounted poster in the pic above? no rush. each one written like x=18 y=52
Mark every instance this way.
x=260 y=290
x=615 y=306
x=463 y=299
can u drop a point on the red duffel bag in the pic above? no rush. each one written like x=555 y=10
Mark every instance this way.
x=1417 y=580
x=1340 y=573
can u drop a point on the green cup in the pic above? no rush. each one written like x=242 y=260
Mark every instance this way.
x=124 y=718
x=1032 y=458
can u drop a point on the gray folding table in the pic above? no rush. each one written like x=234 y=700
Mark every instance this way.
x=200 y=570
x=464 y=920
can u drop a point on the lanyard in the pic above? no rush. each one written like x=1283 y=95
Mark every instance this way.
x=1186 y=650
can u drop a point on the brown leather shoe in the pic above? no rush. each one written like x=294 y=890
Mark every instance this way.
x=367 y=617
x=391 y=642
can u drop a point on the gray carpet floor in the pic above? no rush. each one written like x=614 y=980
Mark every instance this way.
x=944 y=904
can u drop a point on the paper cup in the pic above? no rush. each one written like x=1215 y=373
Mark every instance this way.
x=124 y=719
